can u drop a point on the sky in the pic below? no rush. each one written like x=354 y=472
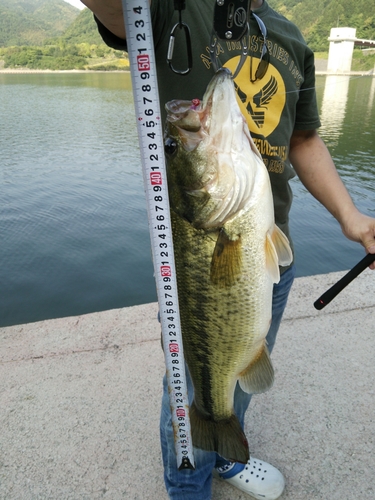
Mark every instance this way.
x=76 y=3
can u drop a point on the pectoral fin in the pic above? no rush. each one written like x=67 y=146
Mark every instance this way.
x=226 y=263
x=258 y=376
x=272 y=260
x=281 y=242
x=278 y=252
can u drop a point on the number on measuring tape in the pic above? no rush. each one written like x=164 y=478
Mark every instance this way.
x=146 y=100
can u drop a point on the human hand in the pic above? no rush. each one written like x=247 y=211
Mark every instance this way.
x=361 y=228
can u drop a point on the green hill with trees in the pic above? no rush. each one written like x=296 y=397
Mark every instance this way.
x=315 y=18
x=52 y=34
x=31 y=22
x=83 y=30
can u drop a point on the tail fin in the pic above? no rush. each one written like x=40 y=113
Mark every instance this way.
x=226 y=437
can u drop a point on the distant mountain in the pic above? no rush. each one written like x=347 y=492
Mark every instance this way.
x=34 y=38
x=315 y=18
x=83 y=30
x=35 y=22
x=31 y=22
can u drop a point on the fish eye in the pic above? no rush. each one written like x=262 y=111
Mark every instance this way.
x=170 y=146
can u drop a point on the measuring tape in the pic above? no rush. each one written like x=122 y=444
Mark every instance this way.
x=150 y=133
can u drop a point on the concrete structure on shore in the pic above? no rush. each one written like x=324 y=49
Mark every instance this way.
x=342 y=41
x=80 y=401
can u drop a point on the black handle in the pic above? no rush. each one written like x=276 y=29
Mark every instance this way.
x=345 y=280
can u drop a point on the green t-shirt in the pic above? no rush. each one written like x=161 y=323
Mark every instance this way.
x=282 y=101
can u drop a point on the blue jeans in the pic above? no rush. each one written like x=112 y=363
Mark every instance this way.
x=196 y=484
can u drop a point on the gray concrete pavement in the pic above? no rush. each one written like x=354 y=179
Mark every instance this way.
x=80 y=399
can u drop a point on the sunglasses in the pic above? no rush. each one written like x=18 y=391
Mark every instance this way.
x=264 y=56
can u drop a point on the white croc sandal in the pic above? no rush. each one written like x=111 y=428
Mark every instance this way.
x=258 y=479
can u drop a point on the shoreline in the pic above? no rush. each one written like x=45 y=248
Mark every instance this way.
x=27 y=71
x=346 y=73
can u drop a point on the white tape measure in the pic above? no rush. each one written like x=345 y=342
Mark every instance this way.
x=150 y=133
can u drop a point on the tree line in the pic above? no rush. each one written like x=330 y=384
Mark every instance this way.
x=64 y=57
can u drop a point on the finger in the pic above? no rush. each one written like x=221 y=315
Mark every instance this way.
x=371 y=249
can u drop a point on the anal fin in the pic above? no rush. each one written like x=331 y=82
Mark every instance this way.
x=259 y=375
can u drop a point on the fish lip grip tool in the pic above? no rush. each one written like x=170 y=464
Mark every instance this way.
x=230 y=24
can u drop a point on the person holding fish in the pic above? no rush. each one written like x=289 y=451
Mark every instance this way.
x=230 y=200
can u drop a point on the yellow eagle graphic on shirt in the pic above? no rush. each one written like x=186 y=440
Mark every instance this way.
x=264 y=104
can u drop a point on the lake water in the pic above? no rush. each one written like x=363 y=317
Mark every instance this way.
x=73 y=223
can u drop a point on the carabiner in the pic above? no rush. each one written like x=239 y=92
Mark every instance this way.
x=172 y=37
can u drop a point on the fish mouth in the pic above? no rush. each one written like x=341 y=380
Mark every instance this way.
x=184 y=120
x=219 y=91
x=192 y=119
x=222 y=166
x=184 y=114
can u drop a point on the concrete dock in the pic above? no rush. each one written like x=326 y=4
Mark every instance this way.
x=80 y=400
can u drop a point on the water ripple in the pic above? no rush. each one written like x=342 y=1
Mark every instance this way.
x=73 y=219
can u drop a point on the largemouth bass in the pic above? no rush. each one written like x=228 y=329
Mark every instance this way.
x=227 y=253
